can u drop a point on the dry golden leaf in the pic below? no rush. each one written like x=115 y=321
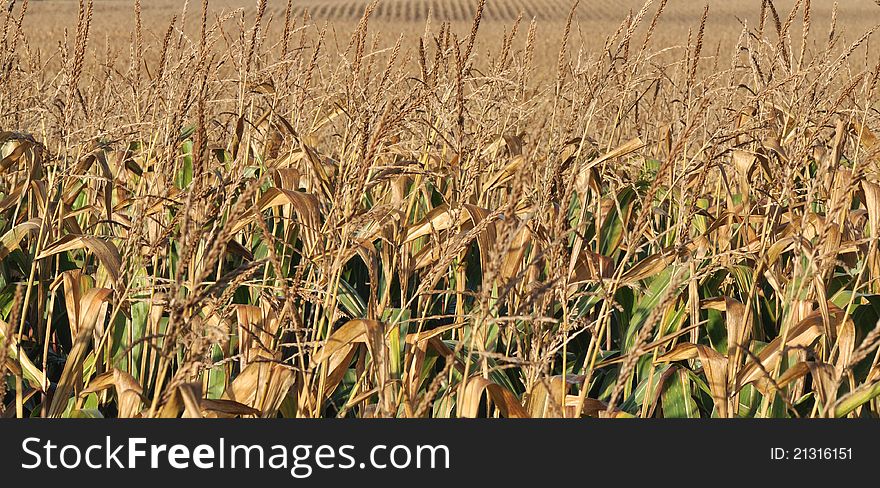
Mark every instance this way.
x=437 y=220
x=504 y=145
x=105 y=250
x=226 y=408
x=10 y=240
x=13 y=197
x=507 y=402
x=845 y=344
x=14 y=155
x=648 y=267
x=441 y=218
x=744 y=164
x=864 y=135
x=287 y=178
x=262 y=385
x=337 y=366
x=128 y=391
x=802 y=334
x=772 y=143
x=513 y=258
x=593 y=266
x=352 y=332
x=624 y=149
x=130 y=394
x=738 y=330
x=305 y=205
x=256 y=331
x=505 y=174
x=75 y=285
x=91 y=304
x=822 y=374
x=715 y=365
x=545 y=394
x=591 y=407
x=872 y=205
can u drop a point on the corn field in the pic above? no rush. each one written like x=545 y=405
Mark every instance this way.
x=280 y=219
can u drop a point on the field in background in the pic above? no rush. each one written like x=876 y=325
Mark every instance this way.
x=595 y=212
x=113 y=22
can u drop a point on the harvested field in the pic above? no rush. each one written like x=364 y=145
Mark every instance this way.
x=113 y=22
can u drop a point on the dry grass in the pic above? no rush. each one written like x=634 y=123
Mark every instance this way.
x=263 y=214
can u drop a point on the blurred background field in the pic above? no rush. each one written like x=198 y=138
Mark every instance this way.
x=113 y=23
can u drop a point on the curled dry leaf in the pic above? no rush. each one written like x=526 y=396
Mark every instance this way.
x=11 y=239
x=803 y=334
x=128 y=391
x=262 y=385
x=715 y=367
x=508 y=404
x=106 y=251
x=92 y=304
